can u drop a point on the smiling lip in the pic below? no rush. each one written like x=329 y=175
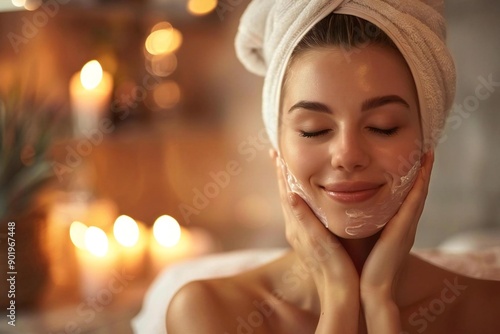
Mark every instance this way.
x=352 y=192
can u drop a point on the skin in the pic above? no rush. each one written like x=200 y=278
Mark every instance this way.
x=328 y=283
x=356 y=123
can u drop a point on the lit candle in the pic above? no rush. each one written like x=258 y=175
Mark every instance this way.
x=131 y=237
x=96 y=257
x=169 y=242
x=90 y=93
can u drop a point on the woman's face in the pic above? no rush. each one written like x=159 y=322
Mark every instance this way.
x=349 y=131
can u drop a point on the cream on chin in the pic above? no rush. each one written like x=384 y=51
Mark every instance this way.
x=365 y=220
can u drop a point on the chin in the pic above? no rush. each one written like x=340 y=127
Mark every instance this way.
x=350 y=230
x=362 y=220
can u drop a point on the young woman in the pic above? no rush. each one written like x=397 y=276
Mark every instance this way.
x=353 y=159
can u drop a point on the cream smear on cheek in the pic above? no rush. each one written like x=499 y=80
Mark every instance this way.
x=360 y=222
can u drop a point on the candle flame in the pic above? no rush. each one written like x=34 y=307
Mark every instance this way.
x=167 y=231
x=126 y=231
x=77 y=234
x=19 y=3
x=91 y=74
x=96 y=241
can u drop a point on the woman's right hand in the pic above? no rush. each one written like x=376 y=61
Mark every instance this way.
x=324 y=257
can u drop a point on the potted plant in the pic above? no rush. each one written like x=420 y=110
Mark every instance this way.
x=27 y=132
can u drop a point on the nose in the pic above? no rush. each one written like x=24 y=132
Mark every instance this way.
x=348 y=151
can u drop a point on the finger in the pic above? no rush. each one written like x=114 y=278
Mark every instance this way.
x=414 y=204
x=398 y=237
x=277 y=164
x=304 y=216
x=287 y=201
x=301 y=219
x=306 y=231
x=415 y=200
x=403 y=226
x=296 y=204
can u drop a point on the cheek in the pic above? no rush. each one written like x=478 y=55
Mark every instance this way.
x=302 y=159
x=398 y=159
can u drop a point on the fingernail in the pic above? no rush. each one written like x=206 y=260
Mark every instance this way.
x=292 y=199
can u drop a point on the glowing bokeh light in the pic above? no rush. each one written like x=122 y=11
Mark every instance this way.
x=19 y=3
x=163 y=41
x=163 y=65
x=164 y=25
x=96 y=241
x=126 y=231
x=176 y=41
x=167 y=94
x=91 y=75
x=32 y=5
x=167 y=231
x=201 y=7
x=77 y=234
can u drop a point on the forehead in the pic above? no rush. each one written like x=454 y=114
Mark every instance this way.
x=348 y=75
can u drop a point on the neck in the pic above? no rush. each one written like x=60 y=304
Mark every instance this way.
x=409 y=291
x=359 y=249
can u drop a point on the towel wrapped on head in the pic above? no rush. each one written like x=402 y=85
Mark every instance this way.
x=270 y=30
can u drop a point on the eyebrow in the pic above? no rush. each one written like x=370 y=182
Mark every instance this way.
x=368 y=104
x=380 y=101
x=309 y=105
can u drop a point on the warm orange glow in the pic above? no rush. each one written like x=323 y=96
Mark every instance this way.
x=19 y=3
x=201 y=7
x=176 y=41
x=109 y=62
x=96 y=241
x=163 y=41
x=126 y=231
x=32 y=4
x=28 y=155
x=167 y=231
x=157 y=41
x=91 y=75
x=167 y=94
x=162 y=25
x=77 y=234
x=163 y=65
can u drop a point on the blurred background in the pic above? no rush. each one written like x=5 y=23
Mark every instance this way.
x=132 y=139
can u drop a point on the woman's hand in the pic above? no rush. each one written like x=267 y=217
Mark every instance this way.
x=321 y=253
x=379 y=277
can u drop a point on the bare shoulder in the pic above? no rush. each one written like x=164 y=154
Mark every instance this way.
x=221 y=306
x=200 y=306
x=481 y=306
x=193 y=300
x=249 y=302
x=449 y=302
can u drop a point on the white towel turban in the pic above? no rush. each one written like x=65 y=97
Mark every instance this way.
x=270 y=29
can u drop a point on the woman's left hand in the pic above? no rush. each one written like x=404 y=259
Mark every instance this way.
x=378 y=281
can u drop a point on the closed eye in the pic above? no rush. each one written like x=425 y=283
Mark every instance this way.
x=314 y=134
x=385 y=132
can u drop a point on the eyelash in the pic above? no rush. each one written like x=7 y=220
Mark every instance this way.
x=313 y=134
x=385 y=132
